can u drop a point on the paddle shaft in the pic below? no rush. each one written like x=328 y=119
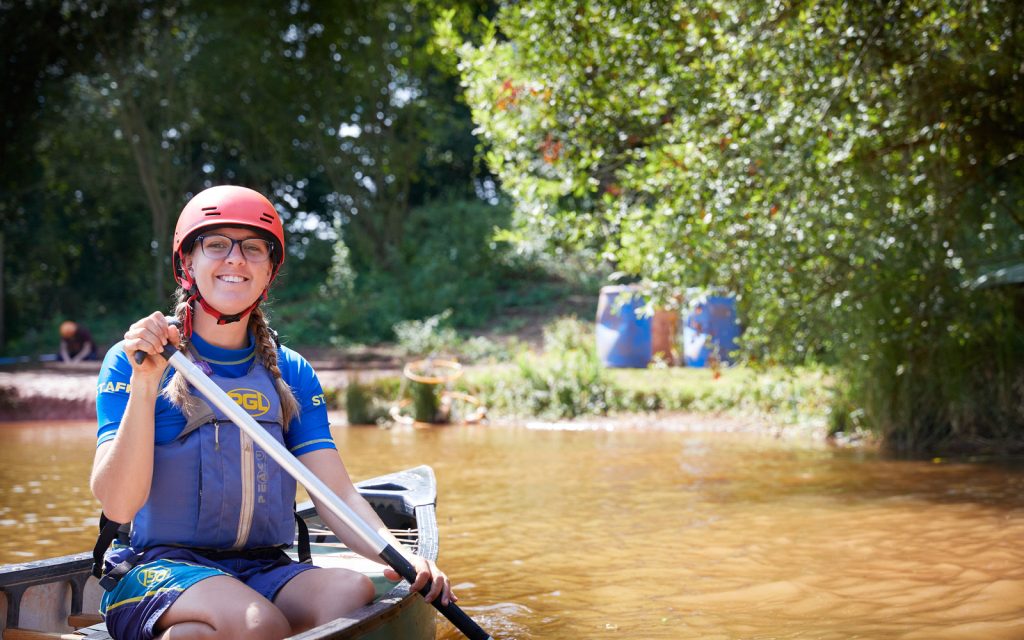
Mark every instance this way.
x=314 y=485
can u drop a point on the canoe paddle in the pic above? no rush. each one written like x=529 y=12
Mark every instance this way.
x=313 y=485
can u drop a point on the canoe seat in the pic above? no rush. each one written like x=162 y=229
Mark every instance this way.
x=79 y=620
x=95 y=632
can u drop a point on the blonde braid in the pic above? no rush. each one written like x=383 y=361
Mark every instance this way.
x=266 y=348
x=178 y=391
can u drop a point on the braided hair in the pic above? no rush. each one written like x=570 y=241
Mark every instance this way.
x=178 y=391
x=266 y=350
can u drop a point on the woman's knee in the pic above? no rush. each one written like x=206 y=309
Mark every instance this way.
x=346 y=595
x=254 y=621
x=345 y=598
x=316 y=597
x=369 y=591
x=227 y=609
x=250 y=624
x=257 y=620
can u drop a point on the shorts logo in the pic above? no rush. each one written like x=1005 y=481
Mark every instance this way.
x=251 y=400
x=151 y=576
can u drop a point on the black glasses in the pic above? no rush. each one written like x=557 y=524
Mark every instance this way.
x=218 y=247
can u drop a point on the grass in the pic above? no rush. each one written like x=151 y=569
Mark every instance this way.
x=792 y=396
x=566 y=381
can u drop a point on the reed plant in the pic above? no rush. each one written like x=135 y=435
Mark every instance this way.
x=944 y=395
x=368 y=402
x=565 y=381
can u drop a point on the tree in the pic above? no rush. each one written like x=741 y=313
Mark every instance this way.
x=846 y=168
x=336 y=110
x=42 y=44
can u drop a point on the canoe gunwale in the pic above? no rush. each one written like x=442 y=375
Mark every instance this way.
x=16 y=579
x=369 y=617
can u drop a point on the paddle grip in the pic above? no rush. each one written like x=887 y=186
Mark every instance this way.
x=451 y=611
x=169 y=349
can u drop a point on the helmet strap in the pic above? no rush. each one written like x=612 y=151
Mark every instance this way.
x=186 y=324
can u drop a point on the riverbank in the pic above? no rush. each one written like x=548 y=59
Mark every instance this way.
x=56 y=391
x=553 y=379
x=48 y=392
x=678 y=399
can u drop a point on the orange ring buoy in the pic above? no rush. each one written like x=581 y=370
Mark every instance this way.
x=479 y=414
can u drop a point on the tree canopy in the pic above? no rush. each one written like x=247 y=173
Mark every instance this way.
x=115 y=114
x=847 y=169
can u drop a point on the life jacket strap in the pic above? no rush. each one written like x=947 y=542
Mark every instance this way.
x=112 y=577
x=305 y=555
x=108 y=533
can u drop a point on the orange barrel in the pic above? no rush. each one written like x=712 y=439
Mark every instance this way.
x=623 y=338
x=663 y=335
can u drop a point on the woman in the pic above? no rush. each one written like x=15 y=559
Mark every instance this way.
x=210 y=512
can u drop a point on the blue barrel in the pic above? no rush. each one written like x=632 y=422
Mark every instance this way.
x=623 y=339
x=710 y=330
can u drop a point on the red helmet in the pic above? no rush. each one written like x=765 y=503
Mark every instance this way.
x=225 y=206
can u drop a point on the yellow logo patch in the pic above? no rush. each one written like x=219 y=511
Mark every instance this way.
x=111 y=387
x=251 y=400
x=152 y=576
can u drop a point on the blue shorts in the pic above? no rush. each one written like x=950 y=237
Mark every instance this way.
x=131 y=609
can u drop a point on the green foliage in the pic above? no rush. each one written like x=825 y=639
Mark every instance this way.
x=336 y=110
x=569 y=335
x=845 y=168
x=448 y=261
x=359 y=405
x=434 y=336
x=426 y=402
x=565 y=382
x=426 y=336
x=370 y=402
x=951 y=394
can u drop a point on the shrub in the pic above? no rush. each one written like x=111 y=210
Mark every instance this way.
x=565 y=382
x=428 y=336
x=369 y=403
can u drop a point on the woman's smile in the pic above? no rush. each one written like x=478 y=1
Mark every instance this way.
x=231 y=278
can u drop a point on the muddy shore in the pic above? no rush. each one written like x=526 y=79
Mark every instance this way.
x=55 y=391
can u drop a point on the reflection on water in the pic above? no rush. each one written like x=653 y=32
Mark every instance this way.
x=657 y=534
x=46 y=507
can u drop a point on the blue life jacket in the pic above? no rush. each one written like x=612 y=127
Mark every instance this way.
x=212 y=487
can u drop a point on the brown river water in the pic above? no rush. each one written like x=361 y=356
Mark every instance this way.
x=564 y=531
